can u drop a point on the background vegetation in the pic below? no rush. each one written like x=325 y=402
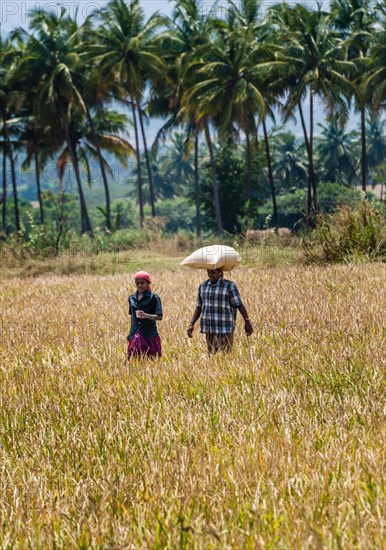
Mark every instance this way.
x=76 y=99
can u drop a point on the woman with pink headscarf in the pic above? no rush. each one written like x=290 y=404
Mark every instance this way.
x=145 y=309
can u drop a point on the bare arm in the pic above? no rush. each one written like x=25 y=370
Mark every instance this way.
x=151 y=316
x=196 y=315
x=248 y=326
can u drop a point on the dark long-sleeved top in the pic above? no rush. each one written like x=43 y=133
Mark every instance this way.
x=149 y=303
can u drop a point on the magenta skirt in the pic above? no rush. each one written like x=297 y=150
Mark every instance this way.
x=140 y=346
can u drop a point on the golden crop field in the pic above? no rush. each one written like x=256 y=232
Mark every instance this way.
x=279 y=445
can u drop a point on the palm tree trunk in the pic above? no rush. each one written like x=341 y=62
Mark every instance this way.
x=363 y=151
x=37 y=176
x=85 y=220
x=149 y=174
x=62 y=218
x=86 y=224
x=307 y=144
x=13 y=173
x=275 y=217
x=139 y=173
x=312 y=172
x=197 y=183
x=216 y=195
x=4 y=194
x=304 y=129
x=249 y=166
x=256 y=137
x=103 y=171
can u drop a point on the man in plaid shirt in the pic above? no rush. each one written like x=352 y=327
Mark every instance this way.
x=217 y=303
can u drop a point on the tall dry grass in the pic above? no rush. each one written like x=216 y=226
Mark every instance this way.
x=280 y=444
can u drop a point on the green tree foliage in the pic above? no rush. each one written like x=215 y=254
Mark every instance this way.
x=337 y=153
x=215 y=82
x=123 y=47
x=292 y=205
x=376 y=146
x=290 y=165
x=178 y=214
x=231 y=169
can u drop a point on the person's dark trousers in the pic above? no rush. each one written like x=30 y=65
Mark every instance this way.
x=219 y=342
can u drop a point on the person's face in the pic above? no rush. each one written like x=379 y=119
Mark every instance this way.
x=141 y=284
x=214 y=275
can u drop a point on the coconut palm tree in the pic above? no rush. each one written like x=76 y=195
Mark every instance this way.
x=51 y=60
x=38 y=152
x=375 y=77
x=164 y=185
x=275 y=213
x=289 y=166
x=9 y=100
x=223 y=85
x=336 y=152
x=315 y=68
x=88 y=142
x=107 y=121
x=355 y=20
x=3 y=200
x=126 y=55
x=376 y=143
x=187 y=31
x=177 y=164
x=230 y=75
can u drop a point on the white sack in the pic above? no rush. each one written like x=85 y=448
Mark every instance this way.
x=212 y=257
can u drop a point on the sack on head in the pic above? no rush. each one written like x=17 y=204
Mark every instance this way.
x=212 y=257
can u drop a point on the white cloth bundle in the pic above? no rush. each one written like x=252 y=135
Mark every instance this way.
x=213 y=257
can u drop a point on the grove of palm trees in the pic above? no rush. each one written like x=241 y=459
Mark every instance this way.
x=221 y=86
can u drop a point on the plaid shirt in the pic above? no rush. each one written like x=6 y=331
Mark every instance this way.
x=218 y=305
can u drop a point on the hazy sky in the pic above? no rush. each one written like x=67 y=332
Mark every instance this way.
x=13 y=13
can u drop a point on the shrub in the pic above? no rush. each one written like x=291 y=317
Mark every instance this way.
x=349 y=234
x=331 y=196
x=292 y=206
x=237 y=206
x=178 y=213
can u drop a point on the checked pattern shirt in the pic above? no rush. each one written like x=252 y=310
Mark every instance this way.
x=218 y=305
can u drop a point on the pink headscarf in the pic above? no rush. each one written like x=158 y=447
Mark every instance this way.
x=143 y=275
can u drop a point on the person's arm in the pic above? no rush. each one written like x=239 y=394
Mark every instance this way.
x=237 y=302
x=150 y=316
x=196 y=315
x=248 y=325
x=157 y=305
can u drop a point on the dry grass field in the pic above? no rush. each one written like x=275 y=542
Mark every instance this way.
x=279 y=445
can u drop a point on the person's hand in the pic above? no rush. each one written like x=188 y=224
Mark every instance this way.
x=190 y=331
x=248 y=327
x=141 y=314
